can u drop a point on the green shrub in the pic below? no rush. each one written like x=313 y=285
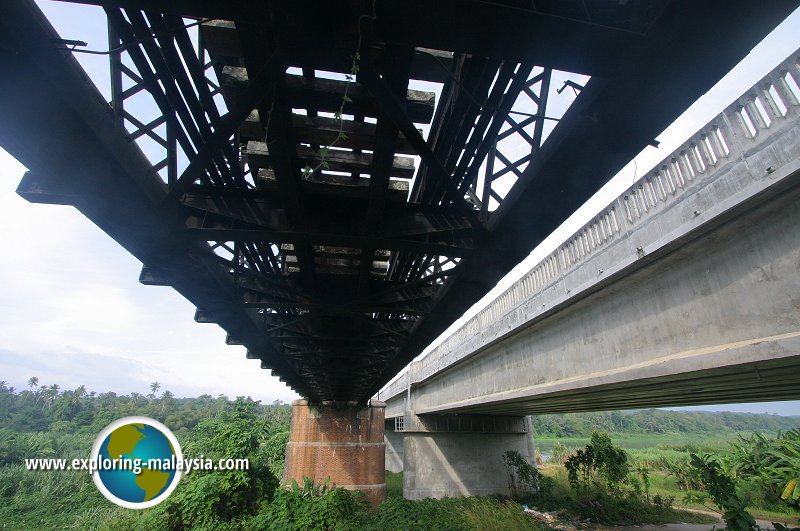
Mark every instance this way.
x=524 y=478
x=207 y=499
x=687 y=477
x=394 y=484
x=311 y=507
x=428 y=514
x=46 y=499
x=766 y=470
x=449 y=514
x=275 y=451
x=723 y=491
x=559 y=453
x=663 y=501
x=599 y=457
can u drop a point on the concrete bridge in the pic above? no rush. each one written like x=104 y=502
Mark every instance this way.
x=684 y=290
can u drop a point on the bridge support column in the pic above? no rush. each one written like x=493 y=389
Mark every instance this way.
x=460 y=455
x=394 y=449
x=340 y=441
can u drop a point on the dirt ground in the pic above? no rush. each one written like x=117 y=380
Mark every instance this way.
x=684 y=527
x=549 y=520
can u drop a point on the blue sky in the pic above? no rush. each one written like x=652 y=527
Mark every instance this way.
x=73 y=312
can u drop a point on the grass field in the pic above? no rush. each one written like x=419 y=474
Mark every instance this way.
x=655 y=451
x=636 y=441
x=490 y=513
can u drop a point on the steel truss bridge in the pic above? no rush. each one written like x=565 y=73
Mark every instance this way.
x=276 y=186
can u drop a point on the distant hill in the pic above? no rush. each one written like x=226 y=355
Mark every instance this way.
x=659 y=421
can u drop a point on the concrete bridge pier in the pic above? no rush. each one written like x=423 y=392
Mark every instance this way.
x=456 y=455
x=340 y=441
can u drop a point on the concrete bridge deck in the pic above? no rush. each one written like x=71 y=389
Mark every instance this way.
x=684 y=290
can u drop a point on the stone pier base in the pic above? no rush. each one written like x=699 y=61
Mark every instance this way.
x=460 y=455
x=342 y=442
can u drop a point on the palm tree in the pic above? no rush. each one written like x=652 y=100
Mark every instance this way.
x=80 y=391
x=33 y=381
x=154 y=387
x=166 y=400
x=50 y=393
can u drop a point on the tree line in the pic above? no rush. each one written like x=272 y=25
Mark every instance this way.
x=49 y=408
x=655 y=421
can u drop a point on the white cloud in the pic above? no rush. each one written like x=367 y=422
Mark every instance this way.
x=73 y=312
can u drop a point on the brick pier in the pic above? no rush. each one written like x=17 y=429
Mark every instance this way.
x=340 y=441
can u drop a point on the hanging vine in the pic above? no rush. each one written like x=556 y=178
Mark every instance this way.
x=339 y=115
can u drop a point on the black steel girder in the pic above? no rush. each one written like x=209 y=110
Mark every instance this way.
x=332 y=274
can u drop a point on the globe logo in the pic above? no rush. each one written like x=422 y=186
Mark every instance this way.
x=137 y=462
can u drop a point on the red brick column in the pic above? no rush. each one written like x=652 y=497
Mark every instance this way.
x=340 y=441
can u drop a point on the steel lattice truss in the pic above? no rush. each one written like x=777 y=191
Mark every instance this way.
x=335 y=265
x=335 y=303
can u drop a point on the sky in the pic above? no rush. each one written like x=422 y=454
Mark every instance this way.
x=72 y=310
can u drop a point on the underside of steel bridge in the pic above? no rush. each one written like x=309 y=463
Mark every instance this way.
x=295 y=200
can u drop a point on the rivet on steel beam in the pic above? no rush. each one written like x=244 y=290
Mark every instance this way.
x=696 y=213
x=770 y=169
